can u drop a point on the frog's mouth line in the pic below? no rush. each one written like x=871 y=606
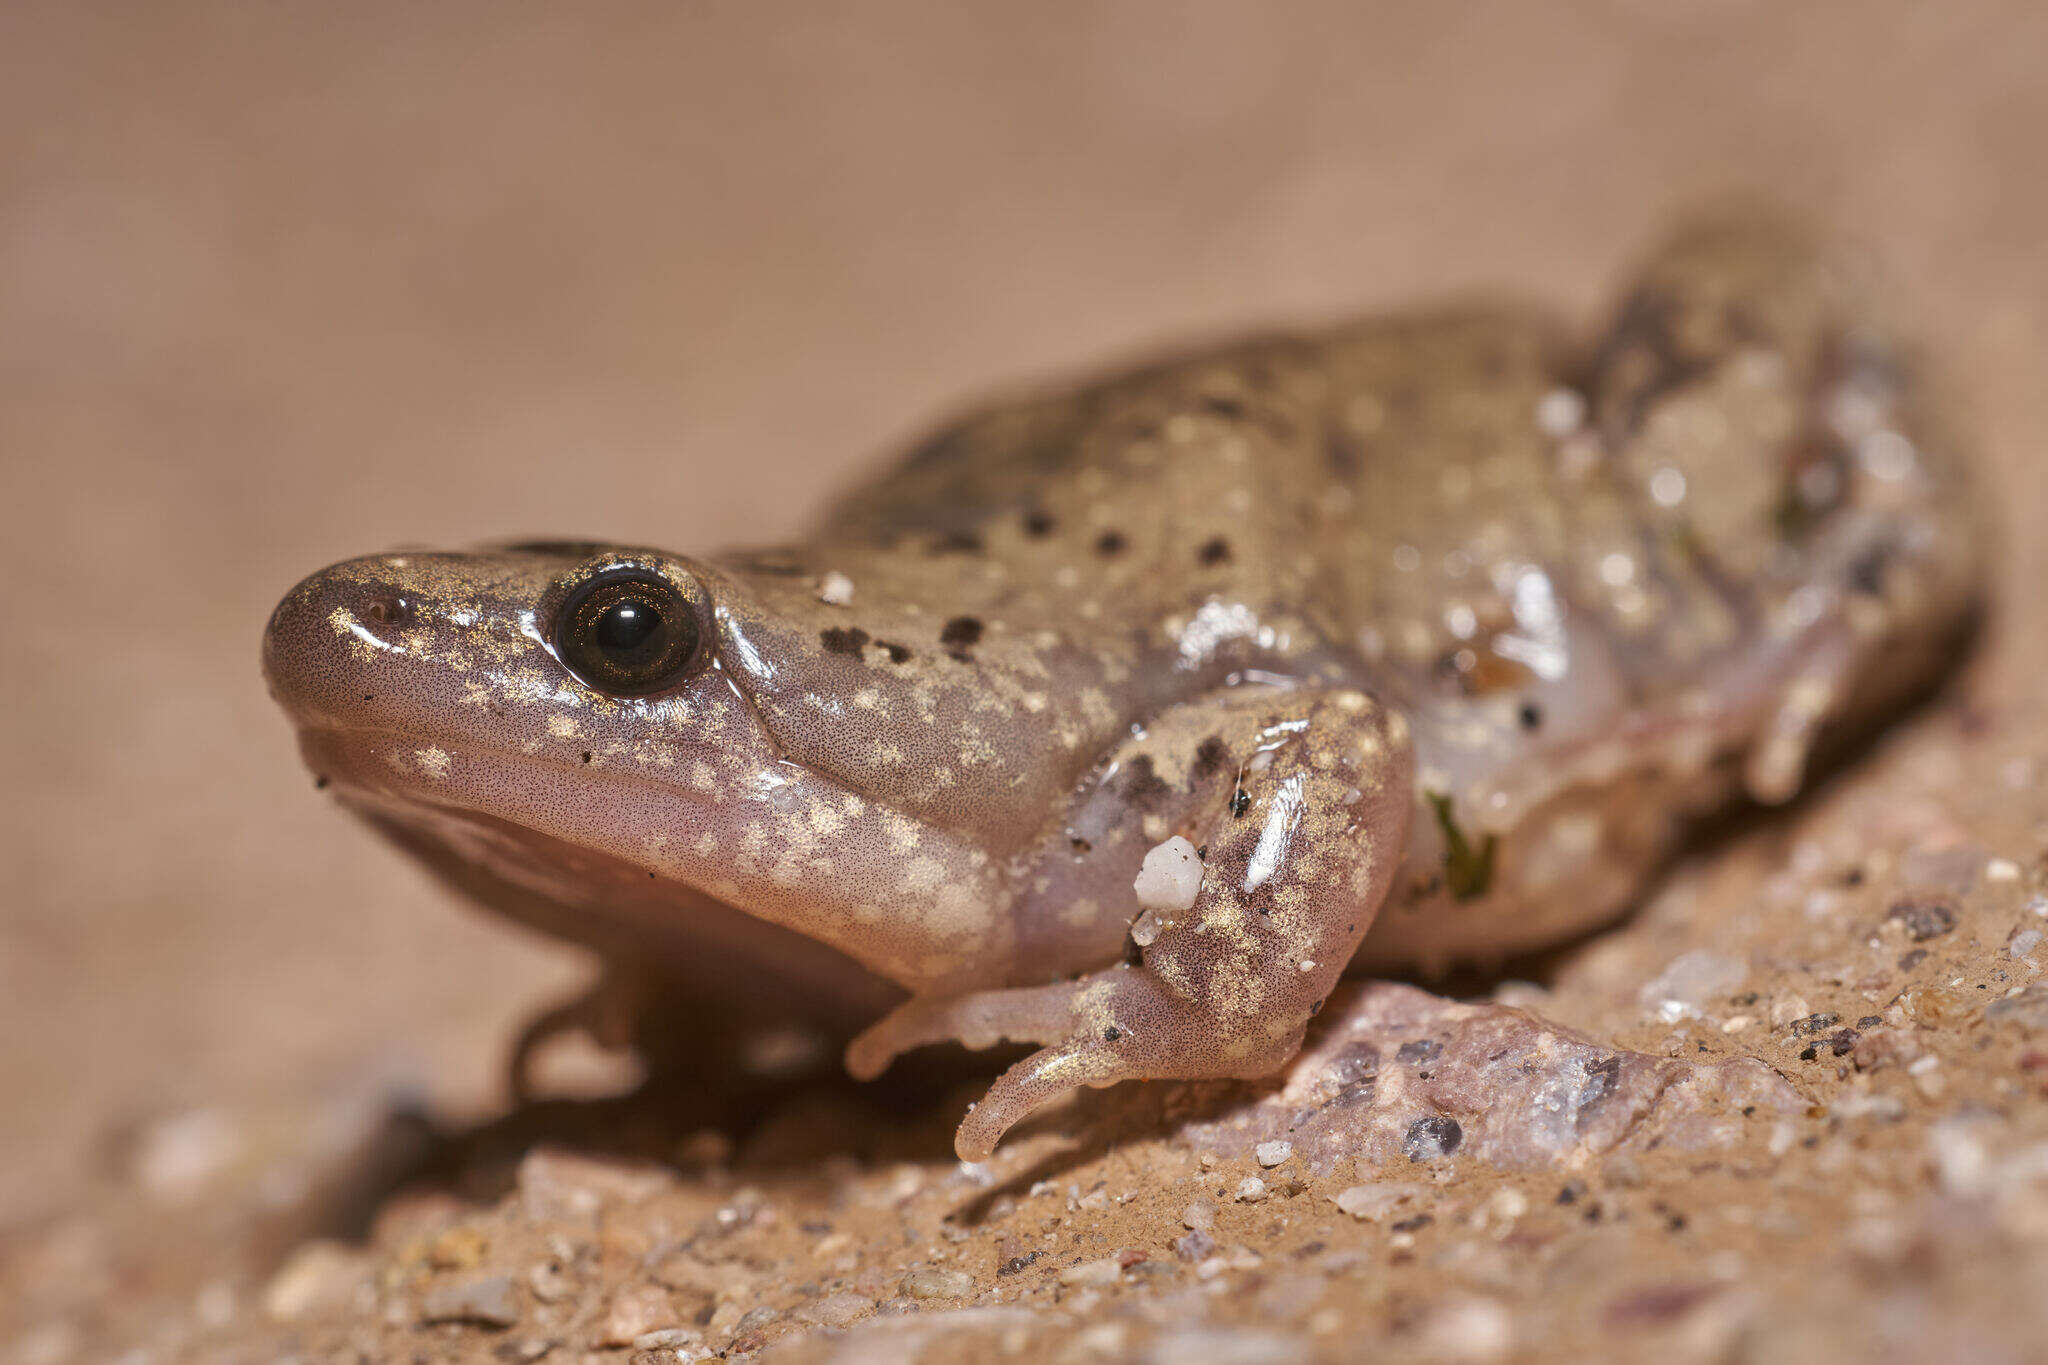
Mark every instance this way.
x=396 y=773
x=522 y=813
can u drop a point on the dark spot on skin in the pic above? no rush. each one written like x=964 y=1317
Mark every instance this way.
x=960 y=632
x=1346 y=455
x=1866 y=574
x=1923 y=917
x=369 y=696
x=1531 y=716
x=1110 y=543
x=320 y=782
x=1202 y=854
x=1037 y=524
x=1315 y=1008
x=1432 y=1137
x=1079 y=845
x=1142 y=786
x=1111 y=1034
x=1223 y=407
x=1209 y=755
x=1569 y=1192
x=1214 y=552
x=957 y=543
x=1419 y=1052
x=897 y=653
x=847 y=640
x=586 y=755
x=1853 y=877
x=1240 y=802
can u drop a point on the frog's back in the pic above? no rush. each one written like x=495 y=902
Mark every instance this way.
x=1440 y=491
x=1605 y=581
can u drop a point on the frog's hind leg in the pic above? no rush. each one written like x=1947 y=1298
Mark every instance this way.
x=1301 y=849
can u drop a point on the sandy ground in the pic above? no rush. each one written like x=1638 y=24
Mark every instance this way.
x=287 y=283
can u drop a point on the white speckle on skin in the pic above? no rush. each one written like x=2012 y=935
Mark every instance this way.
x=1887 y=455
x=1171 y=876
x=1667 y=487
x=1560 y=412
x=433 y=762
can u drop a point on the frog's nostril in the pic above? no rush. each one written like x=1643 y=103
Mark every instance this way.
x=387 y=609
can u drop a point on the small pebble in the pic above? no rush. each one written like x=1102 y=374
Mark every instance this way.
x=1375 y=1201
x=667 y=1339
x=836 y=1310
x=835 y=589
x=1251 y=1189
x=486 y=1302
x=1432 y=1137
x=1170 y=877
x=635 y=1312
x=1094 y=1274
x=1200 y=1216
x=1271 y=1154
x=937 y=1282
x=316 y=1275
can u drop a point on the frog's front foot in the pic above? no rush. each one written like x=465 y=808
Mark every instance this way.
x=607 y=1014
x=1239 y=947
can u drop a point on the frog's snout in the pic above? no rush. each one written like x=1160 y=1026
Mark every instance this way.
x=331 y=636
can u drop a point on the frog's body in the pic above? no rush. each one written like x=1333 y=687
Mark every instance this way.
x=1430 y=617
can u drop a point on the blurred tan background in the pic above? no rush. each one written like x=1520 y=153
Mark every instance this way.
x=283 y=283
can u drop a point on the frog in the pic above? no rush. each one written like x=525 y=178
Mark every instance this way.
x=1122 y=717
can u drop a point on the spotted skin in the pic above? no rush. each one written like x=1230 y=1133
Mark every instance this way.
x=1438 y=625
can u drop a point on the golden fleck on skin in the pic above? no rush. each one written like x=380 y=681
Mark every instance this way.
x=1433 y=624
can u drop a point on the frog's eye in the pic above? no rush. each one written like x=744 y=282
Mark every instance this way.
x=629 y=632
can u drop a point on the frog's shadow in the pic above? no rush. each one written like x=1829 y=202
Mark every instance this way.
x=791 y=1128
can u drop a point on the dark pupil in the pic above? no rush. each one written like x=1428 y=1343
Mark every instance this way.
x=628 y=636
x=625 y=627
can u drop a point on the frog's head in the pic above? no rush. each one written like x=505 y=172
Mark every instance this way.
x=587 y=723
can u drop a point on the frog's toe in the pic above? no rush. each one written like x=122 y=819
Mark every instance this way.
x=603 y=1014
x=1031 y=1084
